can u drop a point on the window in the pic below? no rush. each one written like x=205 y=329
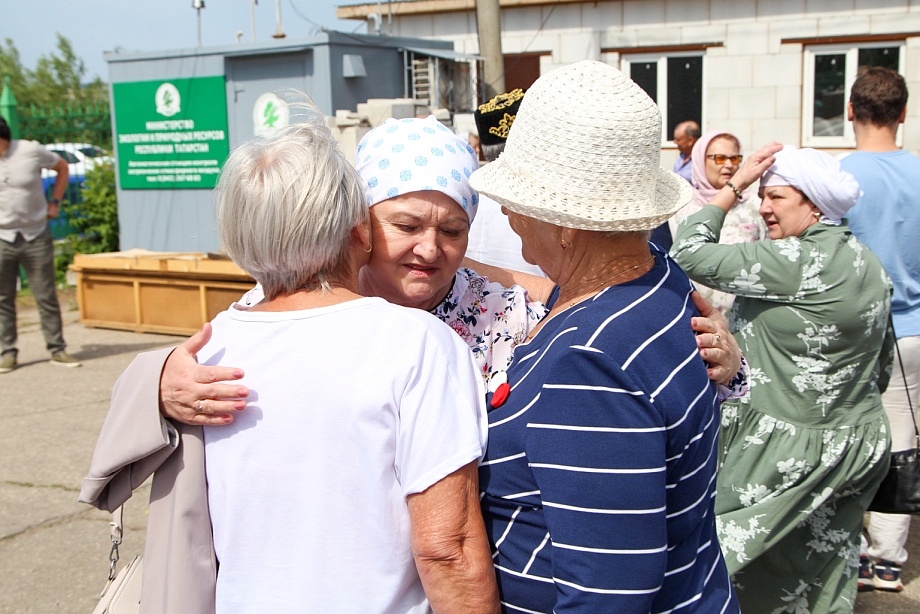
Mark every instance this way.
x=674 y=81
x=829 y=73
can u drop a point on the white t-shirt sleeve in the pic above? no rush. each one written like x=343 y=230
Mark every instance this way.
x=442 y=415
x=47 y=158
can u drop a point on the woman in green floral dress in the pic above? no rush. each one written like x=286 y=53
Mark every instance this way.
x=803 y=454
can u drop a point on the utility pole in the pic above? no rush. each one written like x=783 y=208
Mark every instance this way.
x=198 y=5
x=489 y=25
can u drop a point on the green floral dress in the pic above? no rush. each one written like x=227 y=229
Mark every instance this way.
x=802 y=455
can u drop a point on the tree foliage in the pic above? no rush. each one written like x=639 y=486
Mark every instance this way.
x=95 y=219
x=57 y=78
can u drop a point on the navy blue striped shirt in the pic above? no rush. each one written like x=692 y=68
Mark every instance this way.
x=599 y=479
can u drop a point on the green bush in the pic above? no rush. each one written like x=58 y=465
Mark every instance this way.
x=95 y=219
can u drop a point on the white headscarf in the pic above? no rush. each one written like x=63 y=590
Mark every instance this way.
x=818 y=176
x=410 y=155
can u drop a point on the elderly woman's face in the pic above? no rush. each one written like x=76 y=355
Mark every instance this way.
x=722 y=161
x=539 y=241
x=419 y=241
x=786 y=211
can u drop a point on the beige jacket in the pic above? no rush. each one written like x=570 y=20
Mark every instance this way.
x=180 y=568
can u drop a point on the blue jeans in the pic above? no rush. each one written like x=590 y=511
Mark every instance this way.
x=37 y=259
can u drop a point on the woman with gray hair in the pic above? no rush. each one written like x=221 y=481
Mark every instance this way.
x=356 y=459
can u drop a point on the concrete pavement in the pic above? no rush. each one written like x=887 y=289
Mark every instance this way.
x=53 y=550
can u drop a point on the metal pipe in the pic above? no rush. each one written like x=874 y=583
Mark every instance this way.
x=279 y=30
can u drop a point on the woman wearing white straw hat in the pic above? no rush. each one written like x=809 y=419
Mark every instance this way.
x=804 y=453
x=599 y=477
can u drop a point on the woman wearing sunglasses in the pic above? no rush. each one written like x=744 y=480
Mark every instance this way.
x=716 y=157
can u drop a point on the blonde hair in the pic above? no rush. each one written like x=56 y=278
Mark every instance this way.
x=286 y=206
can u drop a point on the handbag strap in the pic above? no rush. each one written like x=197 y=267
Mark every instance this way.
x=116 y=530
x=910 y=404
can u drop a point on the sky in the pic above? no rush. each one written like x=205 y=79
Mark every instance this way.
x=96 y=26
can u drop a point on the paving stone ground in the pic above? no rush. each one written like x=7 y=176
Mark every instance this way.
x=53 y=550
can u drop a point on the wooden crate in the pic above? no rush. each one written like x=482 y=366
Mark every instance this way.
x=157 y=292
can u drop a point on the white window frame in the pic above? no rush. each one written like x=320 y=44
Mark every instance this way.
x=851 y=51
x=626 y=59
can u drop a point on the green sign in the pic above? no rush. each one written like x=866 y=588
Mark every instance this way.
x=171 y=134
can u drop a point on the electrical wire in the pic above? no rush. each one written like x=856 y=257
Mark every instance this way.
x=527 y=46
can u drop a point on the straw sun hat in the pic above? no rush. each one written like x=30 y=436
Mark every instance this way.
x=583 y=153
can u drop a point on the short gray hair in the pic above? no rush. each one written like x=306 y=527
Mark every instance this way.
x=491 y=151
x=286 y=206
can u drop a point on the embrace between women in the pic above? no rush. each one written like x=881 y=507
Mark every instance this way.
x=367 y=469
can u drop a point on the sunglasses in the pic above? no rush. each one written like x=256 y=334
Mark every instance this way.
x=720 y=159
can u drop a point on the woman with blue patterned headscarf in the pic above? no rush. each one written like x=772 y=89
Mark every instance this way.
x=416 y=175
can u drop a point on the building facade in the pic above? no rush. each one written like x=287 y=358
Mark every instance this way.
x=765 y=70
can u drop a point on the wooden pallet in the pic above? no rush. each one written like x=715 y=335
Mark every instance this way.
x=155 y=292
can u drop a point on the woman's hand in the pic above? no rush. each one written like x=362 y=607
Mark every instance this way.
x=188 y=392
x=752 y=170
x=755 y=166
x=717 y=345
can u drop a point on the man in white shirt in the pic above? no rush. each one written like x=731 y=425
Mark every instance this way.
x=26 y=241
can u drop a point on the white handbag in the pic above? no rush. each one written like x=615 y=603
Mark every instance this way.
x=122 y=593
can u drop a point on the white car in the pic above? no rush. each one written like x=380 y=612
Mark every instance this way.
x=81 y=157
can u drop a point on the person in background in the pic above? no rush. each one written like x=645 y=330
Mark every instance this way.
x=887 y=219
x=26 y=241
x=491 y=240
x=476 y=143
x=803 y=455
x=716 y=157
x=686 y=134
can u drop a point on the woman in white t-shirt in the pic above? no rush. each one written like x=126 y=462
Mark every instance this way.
x=356 y=462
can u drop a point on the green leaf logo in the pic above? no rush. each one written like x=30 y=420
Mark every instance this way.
x=271 y=115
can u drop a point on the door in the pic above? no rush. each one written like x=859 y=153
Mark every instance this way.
x=253 y=85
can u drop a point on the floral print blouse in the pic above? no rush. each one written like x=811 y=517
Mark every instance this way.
x=491 y=319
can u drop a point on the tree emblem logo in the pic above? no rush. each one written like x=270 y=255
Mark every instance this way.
x=270 y=114
x=168 y=100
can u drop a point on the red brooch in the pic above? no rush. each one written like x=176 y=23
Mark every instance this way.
x=498 y=384
x=500 y=395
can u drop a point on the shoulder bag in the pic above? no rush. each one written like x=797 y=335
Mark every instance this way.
x=899 y=492
x=122 y=593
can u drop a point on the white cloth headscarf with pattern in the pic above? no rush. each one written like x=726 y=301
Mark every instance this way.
x=819 y=176
x=411 y=155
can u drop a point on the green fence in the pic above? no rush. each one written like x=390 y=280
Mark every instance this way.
x=70 y=123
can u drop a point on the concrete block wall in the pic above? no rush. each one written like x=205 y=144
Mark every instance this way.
x=752 y=83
